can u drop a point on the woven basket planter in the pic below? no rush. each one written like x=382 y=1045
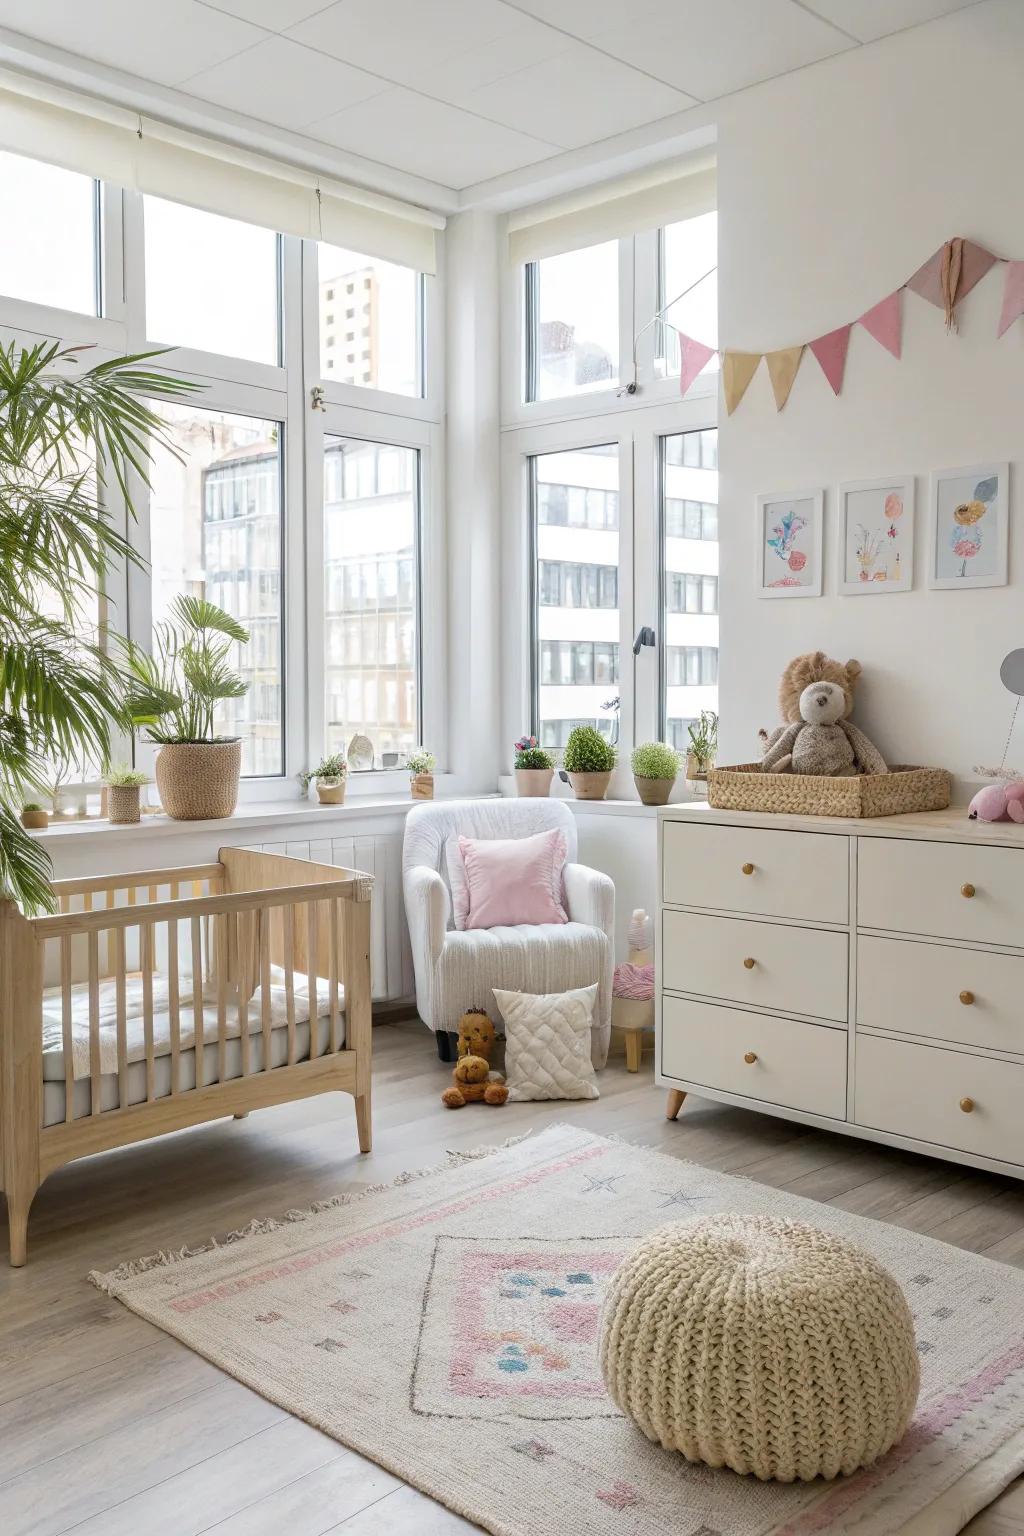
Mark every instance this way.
x=198 y=780
x=896 y=793
x=124 y=807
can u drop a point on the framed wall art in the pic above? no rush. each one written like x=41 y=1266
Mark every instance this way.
x=788 y=544
x=875 y=535
x=970 y=518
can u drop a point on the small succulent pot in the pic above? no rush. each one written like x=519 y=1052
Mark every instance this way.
x=124 y=806
x=653 y=791
x=35 y=819
x=534 y=783
x=330 y=791
x=198 y=780
x=421 y=786
x=590 y=786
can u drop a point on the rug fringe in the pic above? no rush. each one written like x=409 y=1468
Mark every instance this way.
x=109 y=1280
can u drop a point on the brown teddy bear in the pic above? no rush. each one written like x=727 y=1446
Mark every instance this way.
x=476 y=1034
x=471 y=1084
x=816 y=701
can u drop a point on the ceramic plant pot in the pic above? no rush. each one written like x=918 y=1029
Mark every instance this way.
x=421 y=786
x=124 y=807
x=330 y=791
x=198 y=780
x=590 y=786
x=35 y=819
x=653 y=791
x=534 y=783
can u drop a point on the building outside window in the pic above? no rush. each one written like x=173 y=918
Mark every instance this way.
x=572 y=320
x=377 y=320
x=689 y=541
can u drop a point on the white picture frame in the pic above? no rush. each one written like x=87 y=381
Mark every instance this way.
x=778 y=546
x=875 y=536
x=961 y=559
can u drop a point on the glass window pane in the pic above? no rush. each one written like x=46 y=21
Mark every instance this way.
x=216 y=533
x=577 y=616
x=211 y=282
x=49 y=247
x=371 y=538
x=689 y=628
x=369 y=322
x=689 y=249
x=575 y=322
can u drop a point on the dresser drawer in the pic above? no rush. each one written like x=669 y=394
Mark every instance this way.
x=802 y=875
x=918 y=1091
x=800 y=970
x=796 y=1066
x=951 y=890
x=968 y=996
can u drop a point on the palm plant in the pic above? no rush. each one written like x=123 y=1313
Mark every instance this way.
x=175 y=692
x=65 y=434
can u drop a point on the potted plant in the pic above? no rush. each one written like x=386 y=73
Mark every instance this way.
x=33 y=815
x=175 y=695
x=124 y=787
x=655 y=766
x=534 y=768
x=703 y=734
x=588 y=760
x=329 y=776
x=421 y=765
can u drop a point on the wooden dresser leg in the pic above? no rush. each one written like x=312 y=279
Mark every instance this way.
x=675 y=1102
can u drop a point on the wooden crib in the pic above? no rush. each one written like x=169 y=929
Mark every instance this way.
x=159 y=1000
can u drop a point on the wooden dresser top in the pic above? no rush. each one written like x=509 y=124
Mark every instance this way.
x=950 y=826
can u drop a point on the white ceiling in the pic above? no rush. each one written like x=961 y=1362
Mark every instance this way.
x=458 y=91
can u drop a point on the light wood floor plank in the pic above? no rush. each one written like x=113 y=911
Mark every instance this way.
x=314 y=1504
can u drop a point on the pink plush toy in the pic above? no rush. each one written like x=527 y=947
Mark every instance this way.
x=999 y=802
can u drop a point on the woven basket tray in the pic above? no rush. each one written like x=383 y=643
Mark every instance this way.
x=746 y=788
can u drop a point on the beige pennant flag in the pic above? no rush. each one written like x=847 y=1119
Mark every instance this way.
x=782 y=369
x=738 y=368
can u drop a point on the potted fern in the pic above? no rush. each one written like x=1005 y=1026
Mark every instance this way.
x=534 y=768
x=124 y=791
x=655 y=767
x=588 y=760
x=329 y=775
x=174 y=697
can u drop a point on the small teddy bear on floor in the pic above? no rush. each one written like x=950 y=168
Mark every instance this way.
x=816 y=700
x=472 y=1082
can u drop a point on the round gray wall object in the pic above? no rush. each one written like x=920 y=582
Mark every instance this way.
x=1011 y=672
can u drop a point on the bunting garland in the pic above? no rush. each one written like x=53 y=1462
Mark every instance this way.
x=946 y=278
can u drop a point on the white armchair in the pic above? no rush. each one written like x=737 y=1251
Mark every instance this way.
x=457 y=970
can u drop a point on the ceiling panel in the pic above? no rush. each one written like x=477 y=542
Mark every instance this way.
x=711 y=47
x=870 y=19
x=589 y=18
x=577 y=98
x=275 y=15
x=404 y=40
x=430 y=138
x=459 y=76
x=166 y=44
x=281 y=82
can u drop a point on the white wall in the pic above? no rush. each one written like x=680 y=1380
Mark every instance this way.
x=835 y=184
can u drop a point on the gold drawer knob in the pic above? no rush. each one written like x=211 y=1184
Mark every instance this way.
x=750 y=1057
x=968 y=890
x=750 y=962
x=967 y=998
x=748 y=869
x=967 y=1105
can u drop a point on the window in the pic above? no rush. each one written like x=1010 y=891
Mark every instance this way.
x=689 y=626
x=688 y=251
x=211 y=282
x=49 y=253
x=387 y=332
x=576 y=612
x=371 y=618
x=216 y=532
x=572 y=322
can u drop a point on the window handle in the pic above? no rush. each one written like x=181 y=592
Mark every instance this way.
x=644 y=636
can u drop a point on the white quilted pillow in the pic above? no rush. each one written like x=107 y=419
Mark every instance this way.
x=547 y=1043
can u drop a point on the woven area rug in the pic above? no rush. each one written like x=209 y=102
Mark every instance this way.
x=446 y=1327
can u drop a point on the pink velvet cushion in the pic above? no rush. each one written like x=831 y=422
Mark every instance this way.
x=512 y=880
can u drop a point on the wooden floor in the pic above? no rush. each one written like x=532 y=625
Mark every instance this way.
x=109 y=1427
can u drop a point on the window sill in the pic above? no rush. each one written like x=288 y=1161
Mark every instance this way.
x=255 y=818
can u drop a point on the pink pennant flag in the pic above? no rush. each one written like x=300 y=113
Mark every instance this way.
x=1013 y=296
x=882 y=322
x=692 y=357
x=830 y=350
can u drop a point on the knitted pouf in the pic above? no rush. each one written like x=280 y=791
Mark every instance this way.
x=760 y=1344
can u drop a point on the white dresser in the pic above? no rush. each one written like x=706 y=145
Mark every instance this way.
x=864 y=976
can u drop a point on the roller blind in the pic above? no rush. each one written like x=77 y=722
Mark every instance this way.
x=637 y=203
x=114 y=145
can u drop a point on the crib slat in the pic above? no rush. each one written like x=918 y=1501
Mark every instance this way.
x=243 y=961
x=146 y=947
x=197 y=998
x=109 y=903
x=222 y=994
x=95 y=1081
x=66 y=1031
x=120 y=969
x=263 y=919
x=311 y=969
x=332 y=970
x=288 y=923
x=173 y=1006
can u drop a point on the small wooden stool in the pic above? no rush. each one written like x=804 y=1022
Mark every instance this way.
x=634 y=1015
